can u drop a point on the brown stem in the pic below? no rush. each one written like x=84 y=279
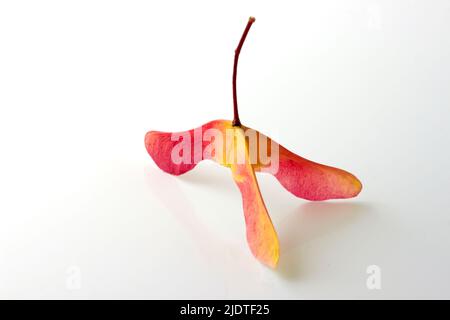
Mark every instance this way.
x=236 y=121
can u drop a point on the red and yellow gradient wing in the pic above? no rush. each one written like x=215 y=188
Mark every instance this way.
x=314 y=181
x=303 y=178
x=261 y=236
x=159 y=145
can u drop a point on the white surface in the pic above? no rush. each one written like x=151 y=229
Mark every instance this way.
x=362 y=85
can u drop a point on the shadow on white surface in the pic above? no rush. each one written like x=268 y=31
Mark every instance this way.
x=166 y=189
x=310 y=221
x=313 y=220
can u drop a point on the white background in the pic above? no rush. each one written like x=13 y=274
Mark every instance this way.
x=85 y=213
